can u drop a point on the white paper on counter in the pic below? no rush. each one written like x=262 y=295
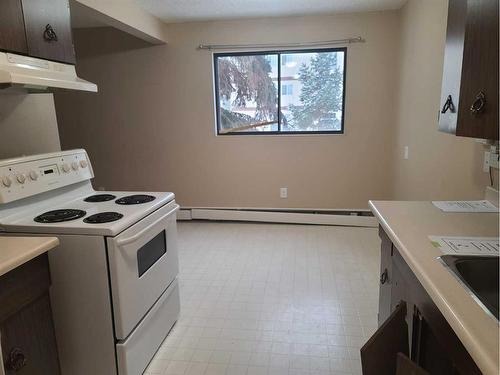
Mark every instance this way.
x=465 y=206
x=466 y=245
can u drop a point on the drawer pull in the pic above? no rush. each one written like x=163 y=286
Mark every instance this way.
x=384 y=277
x=16 y=360
x=49 y=34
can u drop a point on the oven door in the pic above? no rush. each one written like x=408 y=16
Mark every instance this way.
x=142 y=263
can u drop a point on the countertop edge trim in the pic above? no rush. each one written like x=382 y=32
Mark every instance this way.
x=8 y=266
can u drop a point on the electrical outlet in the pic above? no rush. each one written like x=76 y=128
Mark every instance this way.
x=406 y=153
x=486 y=162
x=494 y=160
x=283 y=192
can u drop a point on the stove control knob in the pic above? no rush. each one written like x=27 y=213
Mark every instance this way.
x=33 y=175
x=74 y=165
x=6 y=181
x=65 y=167
x=21 y=178
x=83 y=163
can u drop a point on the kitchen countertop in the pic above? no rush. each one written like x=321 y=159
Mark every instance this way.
x=408 y=225
x=15 y=251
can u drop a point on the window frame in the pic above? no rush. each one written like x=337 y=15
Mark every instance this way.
x=278 y=53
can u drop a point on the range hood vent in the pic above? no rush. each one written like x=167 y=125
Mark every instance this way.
x=39 y=75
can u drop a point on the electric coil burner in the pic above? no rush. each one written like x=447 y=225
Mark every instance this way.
x=100 y=198
x=103 y=217
x=58 y=216
x=135 y=199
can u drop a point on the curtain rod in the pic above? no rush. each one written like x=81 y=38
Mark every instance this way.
x=211 y=47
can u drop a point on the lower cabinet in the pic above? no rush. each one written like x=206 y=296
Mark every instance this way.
x=405 y=366
x=388 y=341
x=27 y=338
x=406 y=310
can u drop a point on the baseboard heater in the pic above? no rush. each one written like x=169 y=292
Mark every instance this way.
x=355 y=218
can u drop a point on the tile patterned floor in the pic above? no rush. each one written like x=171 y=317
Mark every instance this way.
x=272 y=299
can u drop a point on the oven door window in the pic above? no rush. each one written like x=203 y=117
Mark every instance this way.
x=151 y=252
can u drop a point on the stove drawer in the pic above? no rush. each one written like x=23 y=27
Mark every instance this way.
x=135 y=353
x=142 y=264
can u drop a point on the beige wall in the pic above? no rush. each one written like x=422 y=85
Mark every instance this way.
x=28 y=124
x=152 y=124
x=441 y=166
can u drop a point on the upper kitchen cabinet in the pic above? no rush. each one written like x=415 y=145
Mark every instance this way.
x=12 y=36
x=38 y=28
x=48 y=29
x=469 y=95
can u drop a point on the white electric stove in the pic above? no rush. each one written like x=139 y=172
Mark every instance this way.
x=114 y=290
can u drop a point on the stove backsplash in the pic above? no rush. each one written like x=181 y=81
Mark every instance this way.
x=28 y=124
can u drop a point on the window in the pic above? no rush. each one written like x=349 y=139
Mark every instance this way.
x=287 y=89
x=286 y=92
x=287 y=60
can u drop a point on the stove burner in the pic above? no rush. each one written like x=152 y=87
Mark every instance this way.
x=103 y=217
x=135 y=199
x=58 y=216
x=100 y=198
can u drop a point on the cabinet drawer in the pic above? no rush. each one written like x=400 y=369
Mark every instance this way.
x=48 y=30
x=23 y=285
x=134 y=353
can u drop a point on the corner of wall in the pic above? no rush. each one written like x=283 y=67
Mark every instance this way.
x=440 y=166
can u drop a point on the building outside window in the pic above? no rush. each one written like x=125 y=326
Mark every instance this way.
x=287 y=89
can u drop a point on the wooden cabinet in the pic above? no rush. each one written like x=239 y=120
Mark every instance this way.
x=27 y=338
x=48 y=29
x=38 y=28
x=12 y=36
x=478 y=116
x=379 y=354
x=405 y=366
x=432 y=345
x=385 y=289
x=469 y=95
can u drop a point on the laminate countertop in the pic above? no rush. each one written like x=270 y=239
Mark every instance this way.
x=15 y=251
x=408 y=225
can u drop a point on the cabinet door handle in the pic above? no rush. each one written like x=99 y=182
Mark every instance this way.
x=384 y=277
x=49 y=34
x=478 y=103
x=448 y=105
x=16 y=360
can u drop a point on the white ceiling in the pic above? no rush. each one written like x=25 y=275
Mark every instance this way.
x=207 y=10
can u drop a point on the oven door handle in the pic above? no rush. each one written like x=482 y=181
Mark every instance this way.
x=135 y=237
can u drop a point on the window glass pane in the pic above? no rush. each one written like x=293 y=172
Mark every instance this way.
x=287 y=89
x=247 y=93
x=313 y=90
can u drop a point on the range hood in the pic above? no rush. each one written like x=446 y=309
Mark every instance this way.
x=38 y=75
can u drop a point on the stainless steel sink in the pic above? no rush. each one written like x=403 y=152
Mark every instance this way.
x=479 y=274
